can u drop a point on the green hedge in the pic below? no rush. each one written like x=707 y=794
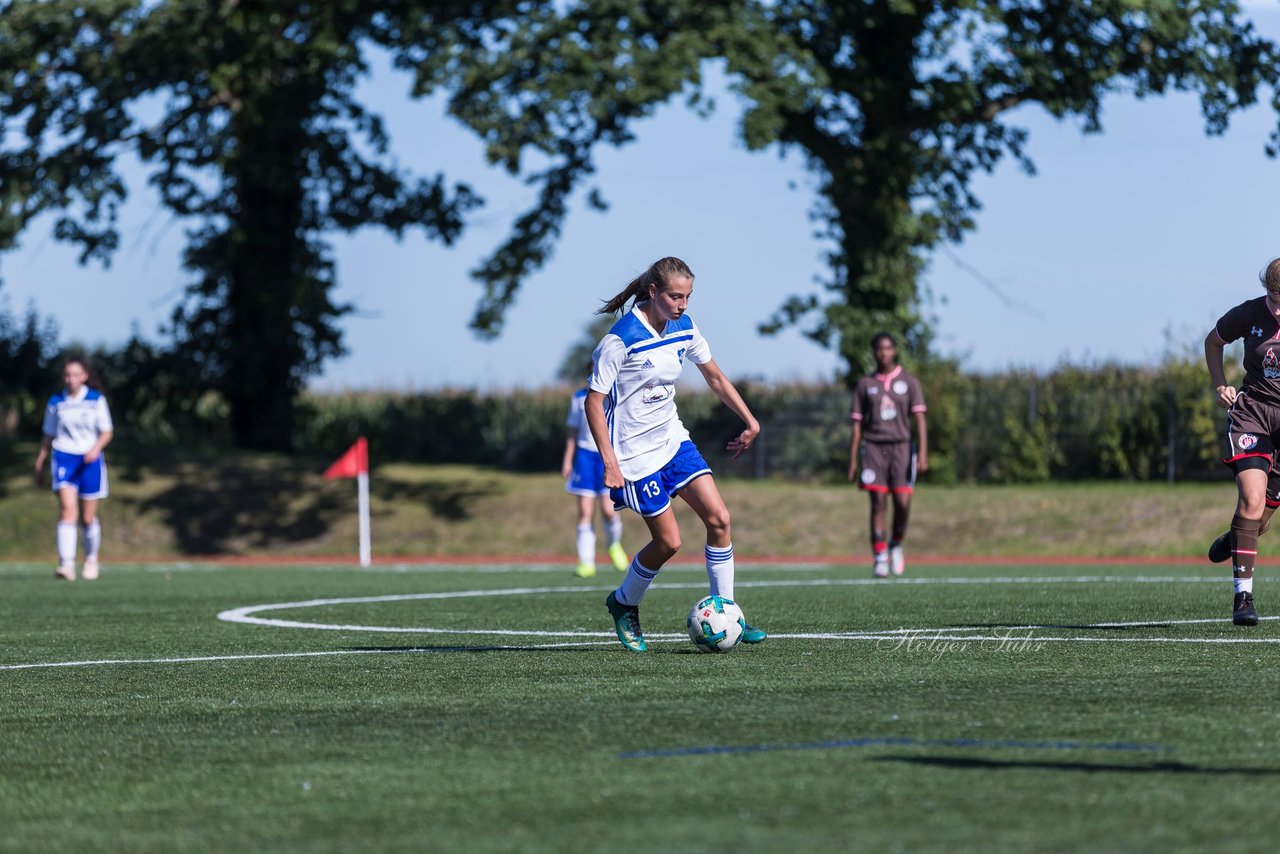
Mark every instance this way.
x=1072 y=423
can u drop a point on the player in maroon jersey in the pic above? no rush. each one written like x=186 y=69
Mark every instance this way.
x=881 y=457
x=1253 y=424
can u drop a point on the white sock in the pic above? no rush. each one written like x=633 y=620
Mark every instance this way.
x=587 y=544
x=636 y=583
x=92 y=538
x=66 y=542
x=720 y=570
x=614 y=527
x=1244 y=585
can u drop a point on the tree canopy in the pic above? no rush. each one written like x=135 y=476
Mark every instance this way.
x=897 y=105
x=246 y=118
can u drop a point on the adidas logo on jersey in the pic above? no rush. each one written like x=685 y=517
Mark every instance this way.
x=648 y=363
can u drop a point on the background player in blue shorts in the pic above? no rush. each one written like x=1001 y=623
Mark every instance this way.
x=583 y=471
x=648 y=457
x=77 y=427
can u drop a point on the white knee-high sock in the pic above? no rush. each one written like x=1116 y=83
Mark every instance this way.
x=636 y=583
x=720 y=570
x=587 y=544
x=614 y=527
x=66 y=542
x=92 y=538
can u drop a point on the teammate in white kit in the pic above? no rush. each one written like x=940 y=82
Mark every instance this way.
x=77 y=427
x=583 y=471
x=648 y=457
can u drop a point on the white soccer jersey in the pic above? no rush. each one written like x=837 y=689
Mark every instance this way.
x=636 y=370
x=577 y=421
x=75 y=423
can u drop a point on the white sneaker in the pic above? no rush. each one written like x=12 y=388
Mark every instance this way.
x=896 y=559
x=65 y=571
x=880 y=566
x=90 y=570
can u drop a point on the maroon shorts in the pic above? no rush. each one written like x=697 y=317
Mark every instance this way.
x=1253 y=430
x=887 y=467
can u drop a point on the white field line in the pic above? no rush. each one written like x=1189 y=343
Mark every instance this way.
x=901 y=635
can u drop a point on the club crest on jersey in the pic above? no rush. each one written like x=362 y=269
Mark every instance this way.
x=900 y=387
x=1270 y=365
x=1247 y=441
x=656 y=392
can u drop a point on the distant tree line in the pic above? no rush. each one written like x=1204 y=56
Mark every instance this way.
x=1105 y=421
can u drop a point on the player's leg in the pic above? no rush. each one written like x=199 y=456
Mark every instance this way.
x=901 y=515
x=704 y=497
x=1220 y=548
x=1251 y=485
x=586 y=537
x=624 y=603
x=68 y=501
x=902 y=481
x=613 y=527
x=93 y=488
x=879 y=542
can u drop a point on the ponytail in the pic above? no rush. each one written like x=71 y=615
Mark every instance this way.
x=660 y=274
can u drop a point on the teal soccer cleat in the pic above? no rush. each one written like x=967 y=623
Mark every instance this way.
x=750 y=634
x=626 y=622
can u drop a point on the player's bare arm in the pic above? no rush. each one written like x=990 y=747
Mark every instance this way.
x=922 y=443
x=45 y=444
x=1217 y=376
x=99 y=446
x=855 y=445
x=724 y=389
x=594 y=407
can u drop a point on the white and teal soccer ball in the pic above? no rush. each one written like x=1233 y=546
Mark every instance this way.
x=715 y=624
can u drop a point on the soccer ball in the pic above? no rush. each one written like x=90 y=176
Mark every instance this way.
x=715 y=624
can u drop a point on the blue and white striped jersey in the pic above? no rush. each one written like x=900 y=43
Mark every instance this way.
x=636 y=369
x=75 y=423
x=577 y=421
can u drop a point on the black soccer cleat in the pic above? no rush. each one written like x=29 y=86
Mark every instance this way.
x=1220 y=549
x=1243 y=613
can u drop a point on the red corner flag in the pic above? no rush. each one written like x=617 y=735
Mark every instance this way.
x=354 y=462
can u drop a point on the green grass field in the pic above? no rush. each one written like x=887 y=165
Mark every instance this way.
x=905 y=714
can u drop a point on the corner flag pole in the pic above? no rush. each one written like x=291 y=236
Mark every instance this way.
x=355 y=463
x=366 y=547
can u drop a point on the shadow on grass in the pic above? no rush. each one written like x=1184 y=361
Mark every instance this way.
x=1079 y=627
x=219 y=509
x=452 y=500
x=973 y=764
x=408 y=650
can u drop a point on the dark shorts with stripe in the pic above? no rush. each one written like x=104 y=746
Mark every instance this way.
x=887 y=467
x=1253 y=430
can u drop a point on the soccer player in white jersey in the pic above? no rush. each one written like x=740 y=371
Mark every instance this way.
x=77 y=427
x=583 y=471
x=648 y=457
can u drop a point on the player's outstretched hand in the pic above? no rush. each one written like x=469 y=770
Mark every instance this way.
x=613 y=476
x=743 y=441
x=1226 y=396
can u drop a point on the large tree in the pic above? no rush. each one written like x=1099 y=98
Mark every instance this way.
x=897 y=104
x=245 y=116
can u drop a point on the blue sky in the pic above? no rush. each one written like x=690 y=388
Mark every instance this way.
x=1125 y=244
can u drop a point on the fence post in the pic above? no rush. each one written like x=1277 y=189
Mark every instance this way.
x=1172 y=415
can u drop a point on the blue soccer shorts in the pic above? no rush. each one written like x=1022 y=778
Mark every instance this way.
x=651 y=495
x=587 y=477
x=88 y=479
